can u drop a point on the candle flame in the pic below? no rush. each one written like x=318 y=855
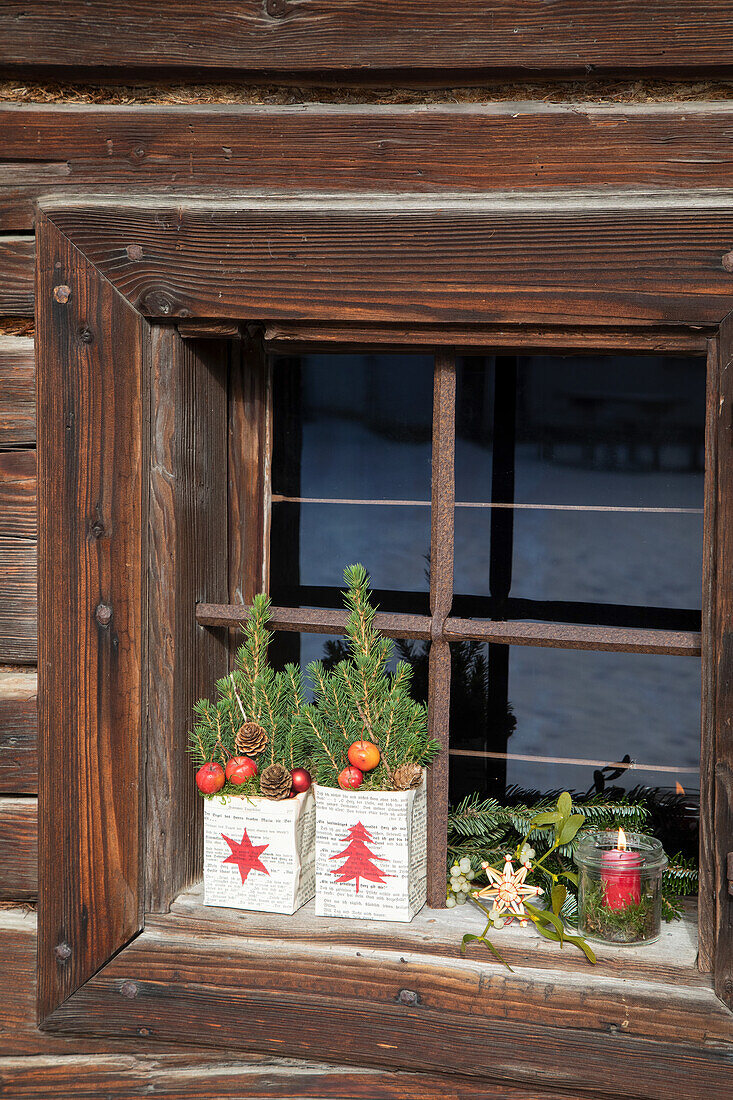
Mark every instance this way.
x=679 y=788
x=621 y=840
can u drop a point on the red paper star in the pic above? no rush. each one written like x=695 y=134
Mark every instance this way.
x=246 y=855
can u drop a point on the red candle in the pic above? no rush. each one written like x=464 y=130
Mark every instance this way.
x=620 y=875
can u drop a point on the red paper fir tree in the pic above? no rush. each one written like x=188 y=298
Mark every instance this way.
x=359 y=859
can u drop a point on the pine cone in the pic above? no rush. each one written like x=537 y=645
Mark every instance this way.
x=251 y=739
x=407 y=777
x=276 y=782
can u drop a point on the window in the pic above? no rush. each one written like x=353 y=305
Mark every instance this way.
x=135 y=517
x=579 y=500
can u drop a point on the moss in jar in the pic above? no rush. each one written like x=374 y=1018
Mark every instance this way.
x=634 y=923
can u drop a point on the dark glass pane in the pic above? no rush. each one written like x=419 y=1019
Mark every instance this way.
x=349 y=432
x=603 y=457
x=287 y=646
x=563 y=717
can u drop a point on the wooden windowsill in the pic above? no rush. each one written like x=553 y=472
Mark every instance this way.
x=655 y=992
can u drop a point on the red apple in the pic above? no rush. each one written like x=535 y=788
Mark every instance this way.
x=364 y=755
x=301 y=780
x=350 y=779
x=240 y=769
x=210 y=778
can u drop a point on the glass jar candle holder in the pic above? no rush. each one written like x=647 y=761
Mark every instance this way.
x=620 y=887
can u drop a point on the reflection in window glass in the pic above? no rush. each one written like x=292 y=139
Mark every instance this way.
x=603 y=458
x=351 y=471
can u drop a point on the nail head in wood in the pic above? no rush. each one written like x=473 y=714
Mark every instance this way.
x=129 y=990
x=134 y=252
x=727 y=261
x=103 y=614
x=408 y=997
x=61 y=293
x=62 y=951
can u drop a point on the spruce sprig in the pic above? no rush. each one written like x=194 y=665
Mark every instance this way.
x=253 y=692
x=360 y=699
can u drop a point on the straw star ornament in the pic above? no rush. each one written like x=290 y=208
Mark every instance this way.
x=508 y=890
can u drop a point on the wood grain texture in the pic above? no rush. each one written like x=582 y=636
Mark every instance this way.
x=212 y=1077
x=443 y=498
x=721 y=841
x=92 y=450
x=18 y=848
x=249 y=453
x=291 y=338
x=499 y=259
x=19 y=1034
x=707 y=891
x=187 y=526
x=18 y=601
x=18 y=494
x=16 y=276
x=17 y=391
x=345 y=1003
x=367 y=35
x=18 y=733
x=438 y=933
x=473 y=148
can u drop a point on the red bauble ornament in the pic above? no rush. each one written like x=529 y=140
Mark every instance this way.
x=364 y=755
x=301 y=780
x=240 y=768
x=350 y=779
x=210 y=778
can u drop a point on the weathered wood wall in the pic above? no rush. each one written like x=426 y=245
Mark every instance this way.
x=461 y=149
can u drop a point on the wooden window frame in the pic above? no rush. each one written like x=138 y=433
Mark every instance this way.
x=132 y=441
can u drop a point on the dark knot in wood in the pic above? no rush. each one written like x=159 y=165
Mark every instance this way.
x=134 y=252
x=157 y=303
x=103 y=614
x=62 y=951
x=144 y=1031
x=61 y=293
x=276 y=9
x=86 y=335
x=727 y=261
x=408 y=997
x=129 y=990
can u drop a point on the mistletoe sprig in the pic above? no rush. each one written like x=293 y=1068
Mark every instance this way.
x=548 y=922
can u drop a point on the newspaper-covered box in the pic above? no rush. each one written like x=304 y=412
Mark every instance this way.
x=371 y=853
x=259 y=853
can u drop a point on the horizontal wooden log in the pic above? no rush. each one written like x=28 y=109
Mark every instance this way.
x=17 y=390
x=18 y=733
x=18 y=494
x=578 y=36
x=19 y=1034
x=442 y=148
x=18 y=601
x=673 y=643
x=498 y=259
x=16 y=276
x=380 y=1007
x=214 y=1077
x=18 y=848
